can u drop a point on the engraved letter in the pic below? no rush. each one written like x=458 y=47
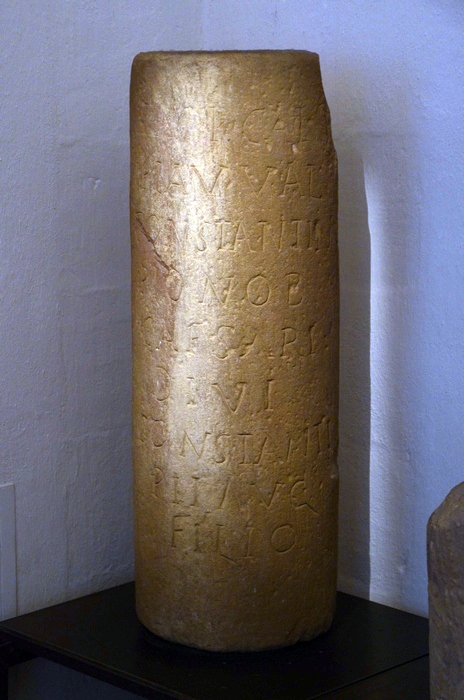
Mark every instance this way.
x=256 y=183
x=176 y=527
x=161 y=384
x=187 y=439
x=298 y=495
x=294 y=296
x=289 y=337
x=258 y=290
x=232 y=404
x=215 y=180
x=283 y=538
x=159 y=433
x=250 y=128
x=222 y=298
x=268 y=503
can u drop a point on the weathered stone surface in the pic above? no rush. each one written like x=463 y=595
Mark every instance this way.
x=235 y=347
x=445 y=549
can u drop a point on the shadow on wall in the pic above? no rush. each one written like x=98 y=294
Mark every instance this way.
x=396 y=201
x=378 y=278
x=355 y=382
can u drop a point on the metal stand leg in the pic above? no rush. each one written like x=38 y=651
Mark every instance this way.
x=9 y=656
x=4 y=667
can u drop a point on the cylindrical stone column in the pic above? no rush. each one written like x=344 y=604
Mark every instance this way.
x=235 y=347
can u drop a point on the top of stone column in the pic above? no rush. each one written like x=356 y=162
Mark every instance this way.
x=279 y=59
x=450 y=513
x=146 y=55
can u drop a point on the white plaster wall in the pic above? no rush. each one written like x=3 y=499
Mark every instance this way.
x=393 y=74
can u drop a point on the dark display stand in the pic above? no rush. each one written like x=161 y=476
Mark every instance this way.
x=371 y=652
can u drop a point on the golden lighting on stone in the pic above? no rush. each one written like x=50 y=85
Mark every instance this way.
x=235 y=347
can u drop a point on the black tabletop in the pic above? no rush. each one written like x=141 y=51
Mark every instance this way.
x=100 y=635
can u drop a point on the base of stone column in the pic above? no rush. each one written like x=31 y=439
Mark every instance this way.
x=172 y=647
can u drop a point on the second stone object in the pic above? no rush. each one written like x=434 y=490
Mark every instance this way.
x=445 y=560
x=235 y=347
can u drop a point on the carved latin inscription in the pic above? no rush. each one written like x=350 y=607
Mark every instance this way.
x=235 y=336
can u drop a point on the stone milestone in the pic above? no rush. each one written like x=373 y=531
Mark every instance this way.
x=235 y=347
x=445 y=551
